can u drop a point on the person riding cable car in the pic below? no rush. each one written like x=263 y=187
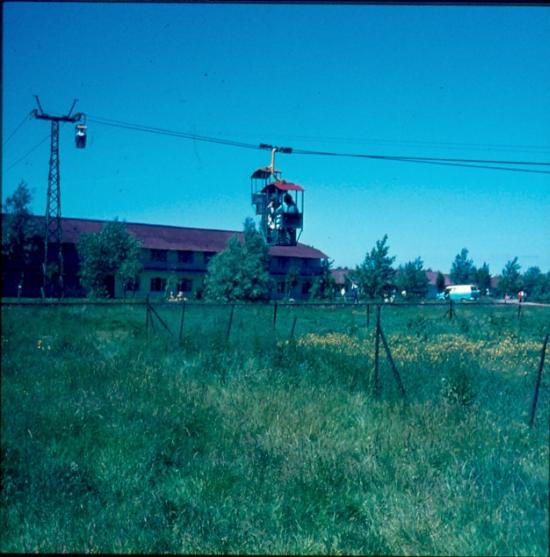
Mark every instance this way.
x=80 y=137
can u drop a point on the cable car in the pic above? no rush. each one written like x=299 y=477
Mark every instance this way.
x=280 y=206
x=80 y=136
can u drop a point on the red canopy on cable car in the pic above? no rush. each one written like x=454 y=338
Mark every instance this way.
x=283 y=185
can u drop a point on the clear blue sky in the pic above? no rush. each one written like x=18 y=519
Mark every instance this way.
x=442 y=81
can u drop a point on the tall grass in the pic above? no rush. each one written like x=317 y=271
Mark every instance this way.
x=113 y=441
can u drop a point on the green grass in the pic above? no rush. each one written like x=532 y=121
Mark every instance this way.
x=118 y=441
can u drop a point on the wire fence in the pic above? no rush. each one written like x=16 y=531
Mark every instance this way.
x=378 y=325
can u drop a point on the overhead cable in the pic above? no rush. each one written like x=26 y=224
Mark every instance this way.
x=27 y=117
x=163 y=131
x=464 y=163
x=31 y=150
x=20 y=159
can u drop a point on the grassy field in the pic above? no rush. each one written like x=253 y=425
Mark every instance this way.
x=115 y=439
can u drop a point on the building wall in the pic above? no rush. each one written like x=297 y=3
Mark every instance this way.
x=160 y=269
x=163 y=270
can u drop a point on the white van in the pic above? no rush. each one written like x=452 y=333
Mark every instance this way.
x=459 y=292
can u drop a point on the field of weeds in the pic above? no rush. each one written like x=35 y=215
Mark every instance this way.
x=258 y=431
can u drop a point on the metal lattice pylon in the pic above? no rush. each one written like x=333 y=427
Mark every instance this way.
x=53 y=234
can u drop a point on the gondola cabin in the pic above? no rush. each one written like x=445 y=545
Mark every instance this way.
x=280 y=206
x=80 y=136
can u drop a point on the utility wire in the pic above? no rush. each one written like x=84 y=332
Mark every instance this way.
x=27 y=117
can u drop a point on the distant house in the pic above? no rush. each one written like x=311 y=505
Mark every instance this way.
x=432 y=283
x=167 y=252
x=340 y=276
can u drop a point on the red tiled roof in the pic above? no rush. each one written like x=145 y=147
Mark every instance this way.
x=432 y=277
x=156 y=236
x=339 y=274
x=299 y=250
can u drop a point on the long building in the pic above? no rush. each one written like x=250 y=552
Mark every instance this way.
x=168 y=253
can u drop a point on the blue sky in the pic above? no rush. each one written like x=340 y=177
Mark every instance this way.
x=441 y=81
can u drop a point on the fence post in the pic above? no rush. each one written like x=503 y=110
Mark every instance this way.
x=293 y=327
x=368 y=315
x=230 y=323
x=392 y=364
x=181 y=322
x=537 y=384
x=162 y=322
x=519 y=309
x=275 y=315
x=376 y=351
x=147 y=315
x=450 y=309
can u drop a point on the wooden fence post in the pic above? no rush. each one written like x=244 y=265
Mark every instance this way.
x=392 y=364
x=275 y=315
x=450 y=309
x=376 y=351
x=519 y=309
x=368 y=315
x=537 y=384
x=293 y=327
x=181 y=322
x=147 y=315
x=229 y=323
x=153 y=311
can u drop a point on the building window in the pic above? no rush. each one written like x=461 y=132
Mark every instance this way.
x=34 y=280
x=185 y=285
x=133 y=285
x=282 y=262
x=158 y=284
x=159 y=255
x=185 y=256
x=208 y=256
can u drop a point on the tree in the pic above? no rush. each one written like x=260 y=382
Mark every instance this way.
x=510 y=279
x=375 y=275
x=536 y=284
x=483 y=278
x=324 y=285
x=412 y=278
x=440 y=281
x=241 y=271
x=20 y=235
x=291 y=280
x=541 y=291
x=463 y=270
x=107 y=255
